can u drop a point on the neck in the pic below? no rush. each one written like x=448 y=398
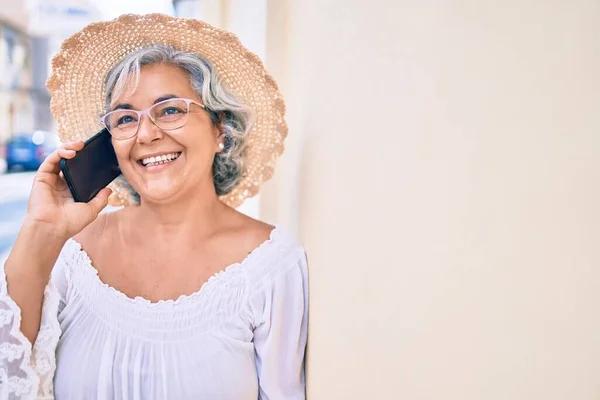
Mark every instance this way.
x=184 y=221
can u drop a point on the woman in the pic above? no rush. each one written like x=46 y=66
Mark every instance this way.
x=177 y=295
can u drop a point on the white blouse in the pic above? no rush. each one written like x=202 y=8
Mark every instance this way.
x=241 y=336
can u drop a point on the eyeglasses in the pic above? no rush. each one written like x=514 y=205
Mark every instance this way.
x=167 y=115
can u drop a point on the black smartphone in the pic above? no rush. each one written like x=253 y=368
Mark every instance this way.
x=92 y=168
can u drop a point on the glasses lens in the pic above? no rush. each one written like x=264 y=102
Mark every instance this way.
x=121 y=123
x=170 y=114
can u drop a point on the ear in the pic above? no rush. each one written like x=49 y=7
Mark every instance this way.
x=216 y=130
x=219 y=139
x=218 y=125
x=219 y=133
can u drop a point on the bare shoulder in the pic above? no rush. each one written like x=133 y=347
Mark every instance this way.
x=243 y=233
x=249 y=232
x=278 y=256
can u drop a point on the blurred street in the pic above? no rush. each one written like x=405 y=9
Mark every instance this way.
x=14 y=191
x=13 y=205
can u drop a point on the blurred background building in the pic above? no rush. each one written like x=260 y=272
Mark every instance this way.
x=30 y=34
x=18 y=94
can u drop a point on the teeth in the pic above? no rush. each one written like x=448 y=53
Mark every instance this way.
x=162 y=159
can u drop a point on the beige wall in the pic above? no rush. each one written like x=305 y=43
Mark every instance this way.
x=443 y=172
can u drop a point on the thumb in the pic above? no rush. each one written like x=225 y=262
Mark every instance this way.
x=99 y=201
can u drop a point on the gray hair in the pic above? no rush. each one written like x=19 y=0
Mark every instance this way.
x=233 y=118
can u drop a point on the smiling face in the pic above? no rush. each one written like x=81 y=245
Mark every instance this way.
x=164 y=165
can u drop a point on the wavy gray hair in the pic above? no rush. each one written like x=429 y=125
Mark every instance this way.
x=233 y=118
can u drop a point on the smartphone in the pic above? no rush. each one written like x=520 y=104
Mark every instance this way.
x=92 y=168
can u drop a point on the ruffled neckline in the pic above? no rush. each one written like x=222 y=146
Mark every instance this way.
x=184 y=298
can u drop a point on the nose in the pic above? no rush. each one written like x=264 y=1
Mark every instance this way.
x=148 y=132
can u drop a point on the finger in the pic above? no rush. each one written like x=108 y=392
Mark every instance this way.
x=66 y=153
x=100 y=201
x=74 y=145
x=51 y=163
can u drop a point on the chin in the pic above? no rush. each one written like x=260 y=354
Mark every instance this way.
x=160 y=195
x=159 y=198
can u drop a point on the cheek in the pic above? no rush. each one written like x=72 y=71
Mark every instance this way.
x=197 y=143
x=122 y=150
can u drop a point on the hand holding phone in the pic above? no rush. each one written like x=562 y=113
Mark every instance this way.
x=51 y=205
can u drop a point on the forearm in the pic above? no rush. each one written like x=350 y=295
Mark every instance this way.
x=28 y=269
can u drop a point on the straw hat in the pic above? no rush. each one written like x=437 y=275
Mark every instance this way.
x=79 y=69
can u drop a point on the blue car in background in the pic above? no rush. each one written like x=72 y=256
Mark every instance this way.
x=27 y=150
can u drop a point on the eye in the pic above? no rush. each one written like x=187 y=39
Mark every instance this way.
x=126 y=119
x=172 y=111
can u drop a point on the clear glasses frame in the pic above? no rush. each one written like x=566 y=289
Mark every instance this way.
x=167 y=126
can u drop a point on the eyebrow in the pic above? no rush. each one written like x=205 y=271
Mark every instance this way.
x=127 y=106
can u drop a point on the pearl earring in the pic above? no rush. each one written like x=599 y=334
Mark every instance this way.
x=221 y=146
